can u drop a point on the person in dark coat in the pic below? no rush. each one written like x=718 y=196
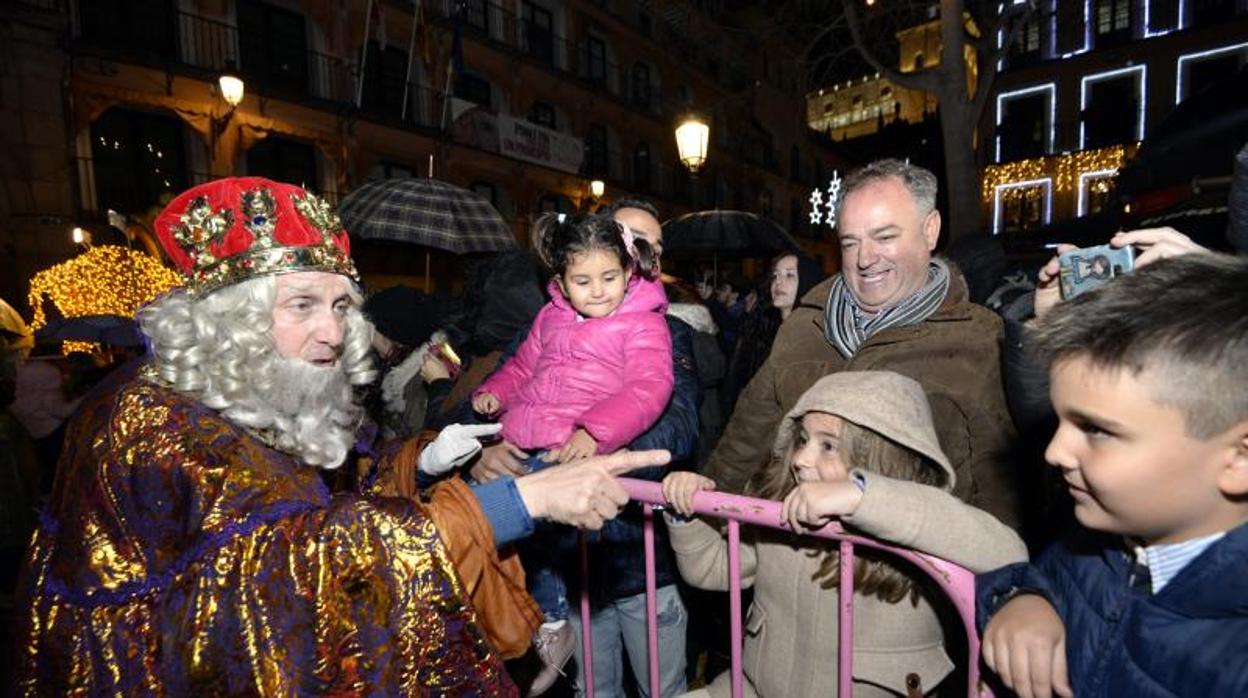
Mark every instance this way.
x=791 y=277
x=503 y=296
x=405 y=320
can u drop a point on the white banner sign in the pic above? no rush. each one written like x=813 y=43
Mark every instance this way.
x=524 y=140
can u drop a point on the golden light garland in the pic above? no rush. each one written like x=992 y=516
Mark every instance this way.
x=104 y=280
x=1063 y=170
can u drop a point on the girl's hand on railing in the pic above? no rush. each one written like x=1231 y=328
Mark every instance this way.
x=813 y=504
x=679 y=488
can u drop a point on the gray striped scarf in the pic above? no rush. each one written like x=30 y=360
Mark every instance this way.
x=846 y=328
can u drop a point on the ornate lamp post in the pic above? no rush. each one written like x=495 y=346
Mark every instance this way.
x=692 y=137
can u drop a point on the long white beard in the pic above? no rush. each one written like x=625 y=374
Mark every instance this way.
x=307 y=410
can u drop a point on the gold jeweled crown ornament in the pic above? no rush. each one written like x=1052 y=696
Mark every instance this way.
x=233 y=229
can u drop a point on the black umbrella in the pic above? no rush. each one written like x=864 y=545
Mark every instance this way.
x=426 y=212
x=732 y=233
x=113 y=330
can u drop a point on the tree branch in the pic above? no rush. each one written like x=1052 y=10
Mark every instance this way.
x=925 y=81
x=989 y=54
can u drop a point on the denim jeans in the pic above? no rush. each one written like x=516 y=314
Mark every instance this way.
x=540 y=559
x=625 y=620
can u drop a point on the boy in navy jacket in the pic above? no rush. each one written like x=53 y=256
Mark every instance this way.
x=1149 y=379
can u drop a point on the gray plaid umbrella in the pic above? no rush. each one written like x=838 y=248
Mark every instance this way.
x=426 y=212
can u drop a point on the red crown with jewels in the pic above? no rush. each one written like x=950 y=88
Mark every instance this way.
x=234 y=229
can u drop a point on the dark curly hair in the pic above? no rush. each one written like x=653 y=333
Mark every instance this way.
x=558 y=237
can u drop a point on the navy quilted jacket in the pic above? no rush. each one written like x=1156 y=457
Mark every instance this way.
x=1189 y=640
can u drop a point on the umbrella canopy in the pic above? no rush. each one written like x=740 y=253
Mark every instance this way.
x=13 y=329
x=426 y=212
x=105 y=329
x=734 y=233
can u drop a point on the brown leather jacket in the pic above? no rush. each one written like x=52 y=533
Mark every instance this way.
x=954 y=355
x=494 y=579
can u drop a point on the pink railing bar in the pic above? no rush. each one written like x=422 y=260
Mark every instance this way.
x=956 y=582
x=652 y=614
x=845 y=597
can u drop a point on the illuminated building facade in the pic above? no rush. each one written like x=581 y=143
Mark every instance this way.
x=1087 y=81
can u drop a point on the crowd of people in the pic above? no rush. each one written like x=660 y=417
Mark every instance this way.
x=300 y=491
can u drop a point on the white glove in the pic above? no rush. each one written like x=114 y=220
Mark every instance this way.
x=454 y=446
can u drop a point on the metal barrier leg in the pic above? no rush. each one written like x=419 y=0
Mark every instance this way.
x=734 y=603
x=845 y=595
x=587 y=640
x=652 y=615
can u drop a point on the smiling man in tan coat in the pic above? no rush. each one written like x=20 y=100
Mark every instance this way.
x=893 y=307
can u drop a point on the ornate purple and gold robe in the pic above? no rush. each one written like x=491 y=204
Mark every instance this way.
x=181 y=556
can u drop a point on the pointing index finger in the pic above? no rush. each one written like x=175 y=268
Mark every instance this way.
x=476 y=431
x=625 y=461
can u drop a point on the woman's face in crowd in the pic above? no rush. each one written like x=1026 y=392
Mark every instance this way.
x=784 y=283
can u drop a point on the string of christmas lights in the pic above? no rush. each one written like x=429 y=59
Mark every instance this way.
x=104 y=280
x=1064 y=170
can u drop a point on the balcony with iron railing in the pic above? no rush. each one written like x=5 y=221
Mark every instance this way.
x=493 y=22
x=578 y=59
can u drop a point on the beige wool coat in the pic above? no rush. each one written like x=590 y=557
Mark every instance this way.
x=791 y=639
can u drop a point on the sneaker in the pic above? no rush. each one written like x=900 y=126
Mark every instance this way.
x=554 y=647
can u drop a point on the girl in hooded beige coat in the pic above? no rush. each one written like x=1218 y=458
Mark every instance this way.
x=792 y=628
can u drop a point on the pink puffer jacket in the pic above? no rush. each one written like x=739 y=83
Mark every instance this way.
x=610 y=375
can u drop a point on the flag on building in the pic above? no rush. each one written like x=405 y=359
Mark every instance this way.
x=379 y=23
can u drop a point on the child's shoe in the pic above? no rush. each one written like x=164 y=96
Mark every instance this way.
x=554 y=643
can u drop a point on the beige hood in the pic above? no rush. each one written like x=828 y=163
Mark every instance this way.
x=887 y=403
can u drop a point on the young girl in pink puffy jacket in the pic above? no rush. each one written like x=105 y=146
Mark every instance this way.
x=595 y=371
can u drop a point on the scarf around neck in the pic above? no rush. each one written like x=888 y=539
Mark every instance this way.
x=847 y=329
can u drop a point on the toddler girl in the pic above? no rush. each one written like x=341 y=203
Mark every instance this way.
x=858 y=447
x=594 y=373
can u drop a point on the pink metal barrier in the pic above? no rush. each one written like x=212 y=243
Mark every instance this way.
x=956 y=582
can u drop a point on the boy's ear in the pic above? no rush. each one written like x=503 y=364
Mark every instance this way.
x=1233 y=480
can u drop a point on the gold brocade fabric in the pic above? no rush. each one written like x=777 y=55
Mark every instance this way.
x=182 y=557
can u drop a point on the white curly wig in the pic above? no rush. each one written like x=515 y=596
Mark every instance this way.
x=217 y=350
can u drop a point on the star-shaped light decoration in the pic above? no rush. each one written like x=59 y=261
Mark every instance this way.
x=834 y=196
x=816 y=202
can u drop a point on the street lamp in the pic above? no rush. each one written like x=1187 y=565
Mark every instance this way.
x=692 y=137
x=80 y=236
x=597 y=188
x=232 y=89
